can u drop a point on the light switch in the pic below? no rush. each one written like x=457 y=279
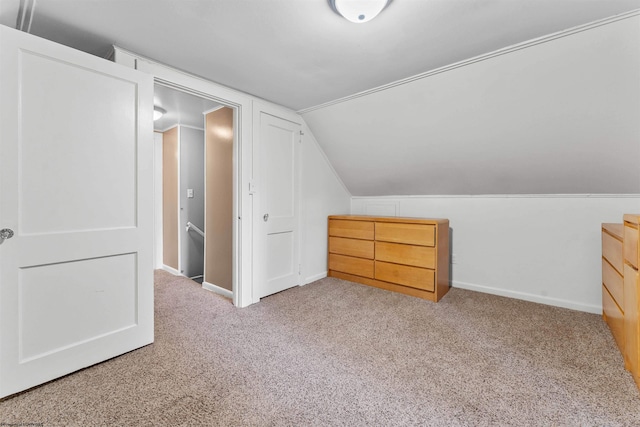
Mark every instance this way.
x=189 y=193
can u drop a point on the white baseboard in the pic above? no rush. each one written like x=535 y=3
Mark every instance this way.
x=171 y=270
x=529 y=297
x=217 y=289
x=315 y=277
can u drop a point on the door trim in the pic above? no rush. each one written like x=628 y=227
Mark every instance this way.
x=242 y=161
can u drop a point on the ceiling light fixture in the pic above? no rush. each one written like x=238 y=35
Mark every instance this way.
x=158 y=112
x=359 y=11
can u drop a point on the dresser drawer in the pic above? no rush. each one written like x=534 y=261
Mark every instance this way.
x=614 y=318
x=353 y=229
x=414 y=277
x=356 y=266
x=614 y=282
x=630 y=245
x=411 y=234
x=417 y=256
x=352 y=247
x=612 y=251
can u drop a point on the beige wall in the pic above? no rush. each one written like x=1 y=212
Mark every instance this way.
x=219 y=197
x=170 y=198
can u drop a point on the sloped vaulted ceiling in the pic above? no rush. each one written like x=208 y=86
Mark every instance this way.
x=557 y=115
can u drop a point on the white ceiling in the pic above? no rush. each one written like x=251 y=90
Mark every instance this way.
x=299 y=53
x=182 y=108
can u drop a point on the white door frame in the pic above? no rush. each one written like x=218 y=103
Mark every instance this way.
x=242 y=159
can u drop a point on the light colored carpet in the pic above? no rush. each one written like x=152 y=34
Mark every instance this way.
x=335 y=353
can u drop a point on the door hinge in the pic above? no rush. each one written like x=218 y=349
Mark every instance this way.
x=299 y=269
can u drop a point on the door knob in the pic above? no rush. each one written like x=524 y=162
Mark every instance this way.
x=5 y=233
x=266 y=217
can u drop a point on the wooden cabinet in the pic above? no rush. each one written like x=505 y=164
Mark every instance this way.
x=407 y=255
x=620 y=288
x=612 y=281
x=631 y=302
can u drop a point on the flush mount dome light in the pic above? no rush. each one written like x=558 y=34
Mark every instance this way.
x=359 y=11
x=158 y=112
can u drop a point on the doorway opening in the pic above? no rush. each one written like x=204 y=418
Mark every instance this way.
x=194 y=188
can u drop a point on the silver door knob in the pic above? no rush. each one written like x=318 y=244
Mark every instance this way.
x=266 y=217
x=5 y=233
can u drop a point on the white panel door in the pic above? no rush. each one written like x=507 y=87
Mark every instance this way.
x=76 y=278
x=279 y=148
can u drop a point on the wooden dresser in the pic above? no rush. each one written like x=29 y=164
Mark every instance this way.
x=407 y=255
x=620 y=303
x=612 y=281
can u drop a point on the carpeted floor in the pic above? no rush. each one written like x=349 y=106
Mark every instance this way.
x=335 y=353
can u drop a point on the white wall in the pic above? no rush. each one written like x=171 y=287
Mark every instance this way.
x=545 y=249
x=323 y=194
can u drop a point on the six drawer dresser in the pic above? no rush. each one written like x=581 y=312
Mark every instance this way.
x=407 y=255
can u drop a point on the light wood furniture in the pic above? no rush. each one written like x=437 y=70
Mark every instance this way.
x=620 y=279
x=612 y=280
x=631 y=304
x=406 y=255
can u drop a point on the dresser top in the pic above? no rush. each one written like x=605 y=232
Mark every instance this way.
x=616 y=230
x=632 y=218
x=405 y=220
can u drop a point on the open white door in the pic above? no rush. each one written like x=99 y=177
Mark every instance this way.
x=279 y=148
x=76 y=277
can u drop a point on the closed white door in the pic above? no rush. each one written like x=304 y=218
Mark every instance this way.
x=76 y=277
x=279 y=147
